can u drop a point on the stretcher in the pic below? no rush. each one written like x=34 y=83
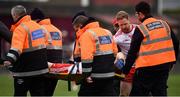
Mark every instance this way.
x=64 y=71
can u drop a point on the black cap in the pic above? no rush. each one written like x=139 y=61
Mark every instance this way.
x=80 y=13
x=37 y=14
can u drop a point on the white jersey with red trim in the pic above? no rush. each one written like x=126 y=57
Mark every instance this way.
x=123 y=40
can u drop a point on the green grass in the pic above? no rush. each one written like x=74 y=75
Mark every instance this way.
x=62 y=90
x=6 y=86
x=174 y=85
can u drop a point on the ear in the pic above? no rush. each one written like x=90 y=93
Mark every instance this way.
x=15 y=17
x=80 y=25
x=141 y=15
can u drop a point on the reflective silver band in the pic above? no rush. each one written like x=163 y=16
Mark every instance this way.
x=34 y=48
x=156 y=51
x=102 y=75
x=144 y=31
x=47 y=34
x=87 y=61
x=157 y=40
x=54 y=47
x=12 y=56
x=31 y=73
x=98 y=53
x=167 y=27
x=29 y=34
x=15 y=49
x=96 y=39
x=110 y=34
x=86 y=69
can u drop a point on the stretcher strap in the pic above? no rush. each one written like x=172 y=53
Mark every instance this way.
x=69 y=75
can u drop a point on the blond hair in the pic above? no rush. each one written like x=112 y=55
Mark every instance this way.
x=121 y=15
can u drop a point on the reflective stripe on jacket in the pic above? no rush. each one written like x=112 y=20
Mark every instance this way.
x=96 y=49
x=157 y=47
x=28 y=49
x=53 y=41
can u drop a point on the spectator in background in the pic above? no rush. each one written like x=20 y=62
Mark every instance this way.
x=5 y=33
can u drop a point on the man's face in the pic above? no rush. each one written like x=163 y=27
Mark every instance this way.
x=13 y=15
x=124 y=25
x=76 y=27
x=139 y=16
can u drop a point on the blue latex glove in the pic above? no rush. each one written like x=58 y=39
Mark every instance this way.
x=119 y=63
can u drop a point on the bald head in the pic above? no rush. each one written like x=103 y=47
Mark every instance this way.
x=18 y=11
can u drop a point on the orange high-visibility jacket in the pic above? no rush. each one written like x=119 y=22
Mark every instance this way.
x=13 y=27
x=53 y=41
x=95 y=48
x=157 y=47
x=28 y=49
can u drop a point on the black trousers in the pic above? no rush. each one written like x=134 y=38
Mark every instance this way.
x=50 y=86
x=116 y=85
x=35 y=85
x=99 y=87
x=150 y=82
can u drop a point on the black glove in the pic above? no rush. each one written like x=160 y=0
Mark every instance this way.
x=71 y=62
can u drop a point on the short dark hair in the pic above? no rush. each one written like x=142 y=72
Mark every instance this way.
x=37 y=14
x=80 y=13
x=143 y=7
x=80 y=20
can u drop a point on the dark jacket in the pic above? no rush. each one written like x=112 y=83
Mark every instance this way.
x=5 y=33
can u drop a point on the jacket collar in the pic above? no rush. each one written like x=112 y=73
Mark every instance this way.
x=22 y=19
x=88 y=26
x=146 y=17
x=45 y=22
